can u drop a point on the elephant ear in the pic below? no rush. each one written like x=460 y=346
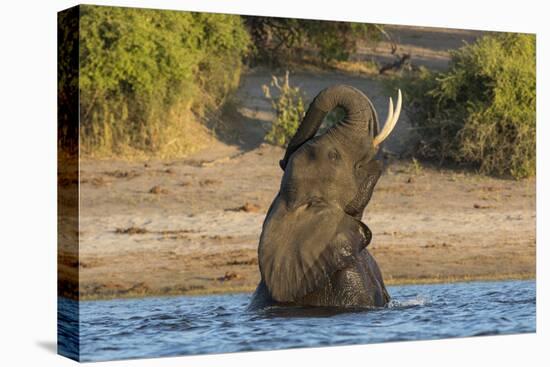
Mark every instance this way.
x=301 y=249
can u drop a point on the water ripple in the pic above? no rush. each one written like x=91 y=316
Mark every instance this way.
x=169 y=326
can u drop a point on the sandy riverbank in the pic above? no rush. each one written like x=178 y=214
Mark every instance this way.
x=192 y=226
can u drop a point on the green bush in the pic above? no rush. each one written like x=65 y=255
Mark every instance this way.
x=289 y=109
x=482 y=110
x=67 y=81
x=280 y=40
x=338 y=40
x=144 y=73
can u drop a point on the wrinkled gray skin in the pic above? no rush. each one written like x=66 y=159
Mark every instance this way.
x=313 y=246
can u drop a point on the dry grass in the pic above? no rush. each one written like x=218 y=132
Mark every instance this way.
x=184 y=136
x=367 y=67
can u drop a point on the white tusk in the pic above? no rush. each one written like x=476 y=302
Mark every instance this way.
x=390 y=112
x=391 y=120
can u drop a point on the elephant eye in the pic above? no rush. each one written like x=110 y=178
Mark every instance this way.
x=333 y=155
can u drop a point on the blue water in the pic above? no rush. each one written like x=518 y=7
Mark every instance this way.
x=168 y=326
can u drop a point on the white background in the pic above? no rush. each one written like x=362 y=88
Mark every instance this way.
x=28 y=182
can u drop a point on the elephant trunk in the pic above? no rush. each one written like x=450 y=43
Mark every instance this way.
x=360 y=116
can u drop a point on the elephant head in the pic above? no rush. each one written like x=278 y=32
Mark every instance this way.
x=313 y=227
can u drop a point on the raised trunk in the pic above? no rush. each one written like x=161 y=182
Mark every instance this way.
x=360 y=116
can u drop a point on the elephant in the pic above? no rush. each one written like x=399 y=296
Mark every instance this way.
x=313 y=245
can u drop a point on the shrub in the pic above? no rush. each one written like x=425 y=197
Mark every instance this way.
x=280 y=40
x=289 y=109
x=67 y=82
x=482 y=110
x=145 y=73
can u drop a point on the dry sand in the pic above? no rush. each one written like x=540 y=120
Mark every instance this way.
x=192 y=225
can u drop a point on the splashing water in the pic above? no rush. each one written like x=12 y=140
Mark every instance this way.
x=418 y=300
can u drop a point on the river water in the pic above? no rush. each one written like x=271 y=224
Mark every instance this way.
x=169 y=326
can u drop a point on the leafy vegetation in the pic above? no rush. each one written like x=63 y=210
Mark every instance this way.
x=288 y=104
x=145 y=74
x=278 y=40
x=482 y=110
x=67 y=82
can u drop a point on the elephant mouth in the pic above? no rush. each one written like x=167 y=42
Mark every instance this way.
x=316 y=201
x=311 y=201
